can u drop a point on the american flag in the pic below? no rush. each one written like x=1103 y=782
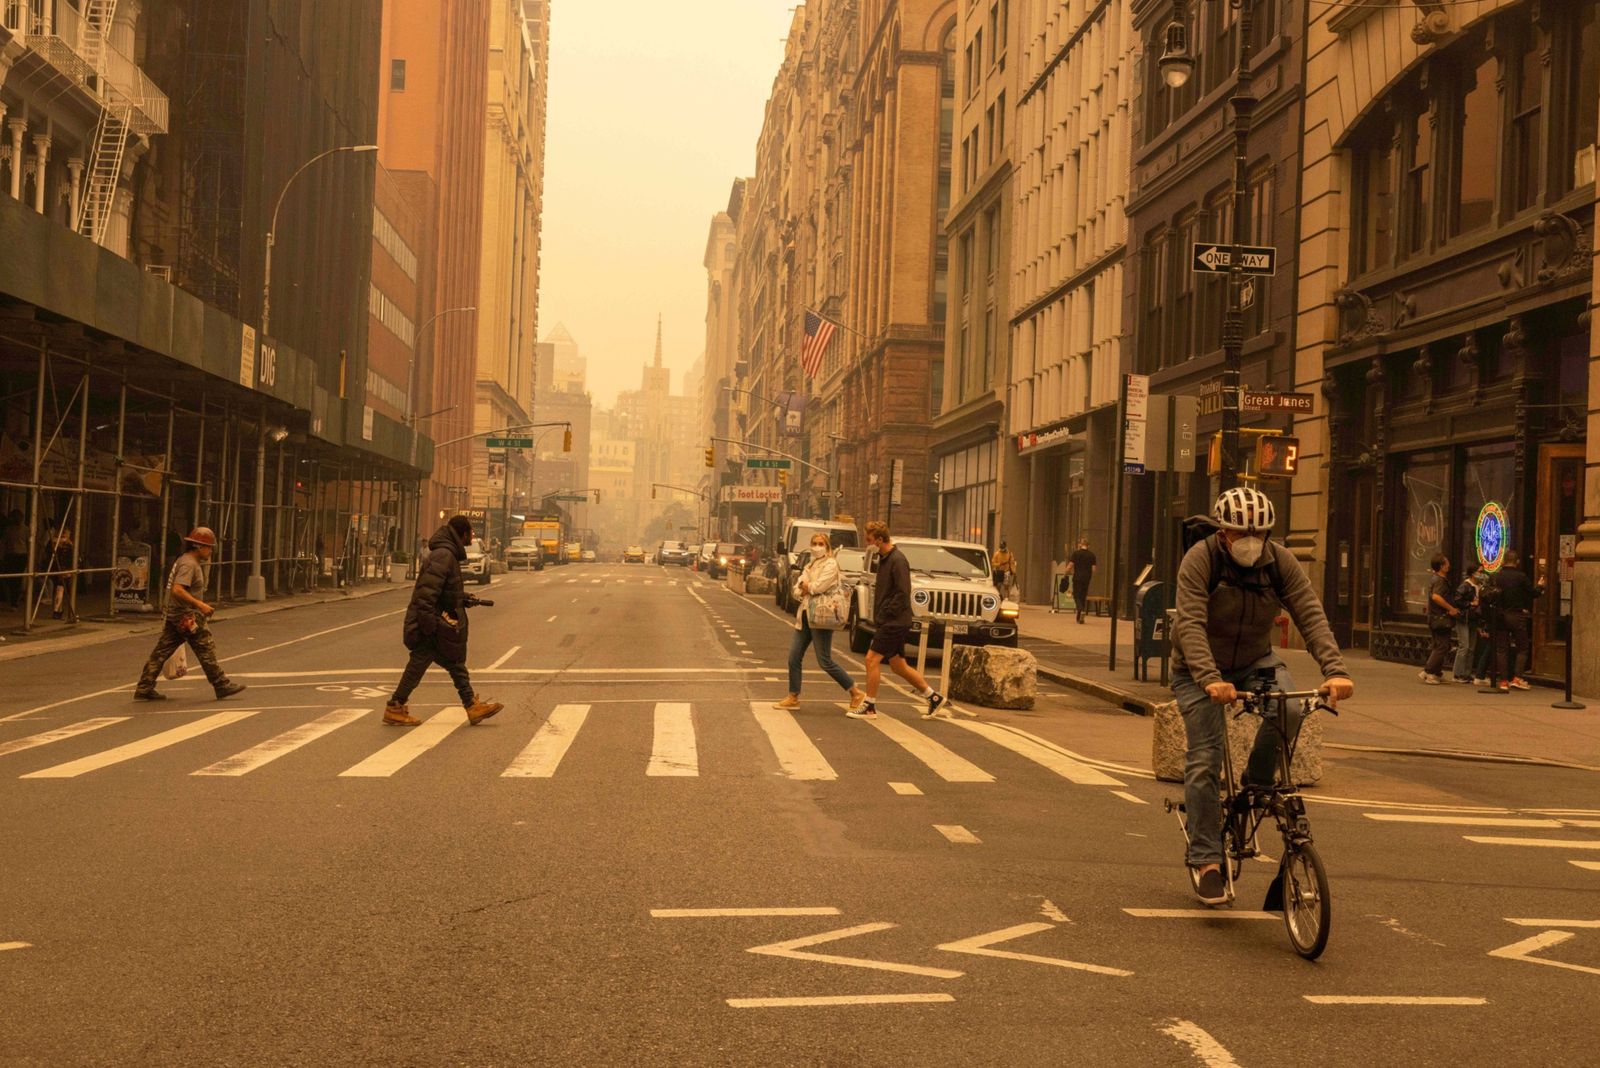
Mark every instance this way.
x=819 y=332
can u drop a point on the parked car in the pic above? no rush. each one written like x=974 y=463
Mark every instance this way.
x=572 y=552
x=588 y=556
x=708 y=553
x=524 y=554
x=633 y=554
x=794 y=554
x=675 y=553
x=727 y=553
x=476 y=566
x=951 y=585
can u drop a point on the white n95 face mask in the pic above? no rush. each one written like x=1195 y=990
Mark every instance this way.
x=1246 y=552
x=817 y=552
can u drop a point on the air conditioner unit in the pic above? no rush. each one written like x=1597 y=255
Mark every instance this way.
x=161 y=270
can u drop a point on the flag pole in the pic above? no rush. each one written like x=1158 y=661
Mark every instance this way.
x=838 y=324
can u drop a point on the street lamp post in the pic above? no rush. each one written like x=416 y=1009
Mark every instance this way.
x=255 y=587
x=1176 y=65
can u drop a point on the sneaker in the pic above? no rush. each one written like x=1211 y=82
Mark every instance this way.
x=481 y=710
x=790 y=702
x=1431 y=680
x=857 y=699
x=149 y=695
x=228 y=689
x=1480 y=682
x=1211 y=888
x=399 y=715
x=1520 y=684
x=1459 y=681
x=935 y=699
x=865 y=712
x=1503 y=688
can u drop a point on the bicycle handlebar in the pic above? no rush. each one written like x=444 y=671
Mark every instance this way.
x=1254 y=700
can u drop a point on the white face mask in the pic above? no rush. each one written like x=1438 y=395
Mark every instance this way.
x=818 y=552
x=1246 y=552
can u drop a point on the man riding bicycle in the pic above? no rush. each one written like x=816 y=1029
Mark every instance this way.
x=1230 y=587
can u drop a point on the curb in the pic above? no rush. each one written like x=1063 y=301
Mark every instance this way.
x=68 y=642
x=1112 y=695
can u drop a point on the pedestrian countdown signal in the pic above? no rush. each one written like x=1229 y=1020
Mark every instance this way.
x=1277 y=455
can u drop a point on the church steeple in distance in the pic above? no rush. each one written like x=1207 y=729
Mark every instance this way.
x=658 y=339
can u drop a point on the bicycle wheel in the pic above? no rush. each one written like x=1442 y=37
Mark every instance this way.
x=1307 y=907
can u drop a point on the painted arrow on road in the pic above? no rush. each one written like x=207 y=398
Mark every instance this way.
x=978 y=945
x=792 y=950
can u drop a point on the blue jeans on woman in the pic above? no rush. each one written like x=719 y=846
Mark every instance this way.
x=823 y=640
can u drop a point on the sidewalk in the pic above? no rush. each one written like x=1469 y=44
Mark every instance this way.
x=1391 y=712
x=49 y=635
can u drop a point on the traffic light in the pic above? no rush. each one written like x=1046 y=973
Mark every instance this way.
x=711 y=456
x=566 y=440
x=652 y=493
x=596 y=496
x=783 y=478
x=1277 y=455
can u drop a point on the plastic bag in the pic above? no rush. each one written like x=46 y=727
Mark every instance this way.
x=177 y=665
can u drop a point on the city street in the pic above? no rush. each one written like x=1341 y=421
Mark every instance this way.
x=639 y=861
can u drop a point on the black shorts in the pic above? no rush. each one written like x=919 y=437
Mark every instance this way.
x=890 y=642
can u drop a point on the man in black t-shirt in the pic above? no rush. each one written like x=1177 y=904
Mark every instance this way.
x=1513 y=631
x=1081 y=567
x=891 y=614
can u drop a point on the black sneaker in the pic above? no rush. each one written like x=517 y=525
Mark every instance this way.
x=1211 y=888
x=149 y=695
x=228 y=689
x=866 y=711
x=935 y=699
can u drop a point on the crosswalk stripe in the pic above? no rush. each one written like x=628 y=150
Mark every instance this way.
x=550 y=743
x=949 y=766
x=1461 y=821
x=674 y=752
x=797 y=755
x=1547 y=843
x=74 y=768
x=287 y=742
x=410 y=745
x=70 y=731
x=1586 y=865
x=1062 y=765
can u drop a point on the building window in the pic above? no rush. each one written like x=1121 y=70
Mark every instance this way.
x=1180 y=345
x=1425 y=505
x=1153 y=284
x=1261 y=206
x=1582 y=99
x=1526 y=118
x=397 y=75
x=1419 y=181
x=1374 y=204
x=1476 y=128
x=991 y=255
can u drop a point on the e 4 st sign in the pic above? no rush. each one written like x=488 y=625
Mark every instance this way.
x=1217 y=259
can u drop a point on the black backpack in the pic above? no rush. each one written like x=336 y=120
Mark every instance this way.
x=1198 y=528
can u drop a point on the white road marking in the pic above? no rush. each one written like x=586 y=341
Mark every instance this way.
x=797 y=754
x=1568 y=924
x=1126 y=796
x=1064 y=766
x=838 y=999
x=550 y=743
x=673 y=752
x=1207 y=1050
x=941 y=761
x=1360 y=999
x=1462 y=821
x=1050 y=911
x=572 y=582
x=957 y=834
x=793 y=948
x=552 y=619
x=978 y=945
x=1545 y=843
x=1524 y=949
x=15 y=945
x=74 y=768
x=743 y=645
x=1587 y=865
x=690 y=914
x=287 y=742
x=905 y=789
x=511 y=652
x=649 y=582
x=1410 y=806
x=17 y=745
x=410 y=745
x=1200 y=914
x=1567 y=811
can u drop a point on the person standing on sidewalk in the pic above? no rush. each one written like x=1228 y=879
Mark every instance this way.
x=1442 y=615
x=435 y=629
x=185 y=622
x=1514 y=627
x=891 y=613
x=1004 y=567
x=1081 y=567
x=819 y=579
x=1466 y=600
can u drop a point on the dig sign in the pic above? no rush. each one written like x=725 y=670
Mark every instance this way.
x=1491 y=536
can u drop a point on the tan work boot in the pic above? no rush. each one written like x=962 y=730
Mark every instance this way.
x=790 y=702
x=481 y=710
x=398 y=715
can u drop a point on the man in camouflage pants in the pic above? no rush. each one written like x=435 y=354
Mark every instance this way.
x=187 y=612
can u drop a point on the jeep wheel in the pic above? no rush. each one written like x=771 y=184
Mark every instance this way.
x=860 y=637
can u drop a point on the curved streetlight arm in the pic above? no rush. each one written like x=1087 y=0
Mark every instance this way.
x=503 y=430
x=272 y=230
x=775 y=452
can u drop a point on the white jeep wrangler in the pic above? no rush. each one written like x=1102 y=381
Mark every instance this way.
x=951 y=586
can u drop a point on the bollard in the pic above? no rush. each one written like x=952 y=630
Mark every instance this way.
x=922 y=650
x=946 y=655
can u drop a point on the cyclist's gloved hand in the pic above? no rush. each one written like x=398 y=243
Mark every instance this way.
x=1338 y=688
x=1222 y=693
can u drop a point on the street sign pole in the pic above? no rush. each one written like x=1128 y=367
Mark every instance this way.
x=1116 y=519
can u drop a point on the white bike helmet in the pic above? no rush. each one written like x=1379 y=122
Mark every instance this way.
x=1244 y=509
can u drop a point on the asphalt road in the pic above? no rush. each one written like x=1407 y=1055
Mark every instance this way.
x=280 y=879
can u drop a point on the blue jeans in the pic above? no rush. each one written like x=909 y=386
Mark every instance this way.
x=823 y=640
x=1466 y=640
x=1205 y=725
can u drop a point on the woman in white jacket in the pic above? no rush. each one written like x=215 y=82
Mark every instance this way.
x=820 y=578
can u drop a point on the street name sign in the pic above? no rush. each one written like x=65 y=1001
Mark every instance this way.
x=509 y=443
x=579 y=497
x=1278 y=402
x=1217 y=259
x=767 y=463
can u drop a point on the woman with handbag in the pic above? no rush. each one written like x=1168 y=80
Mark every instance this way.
x=823 y=609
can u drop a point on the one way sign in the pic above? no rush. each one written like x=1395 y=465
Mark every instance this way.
x=1216 y=259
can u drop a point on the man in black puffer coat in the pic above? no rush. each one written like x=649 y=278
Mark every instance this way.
x=436 y=626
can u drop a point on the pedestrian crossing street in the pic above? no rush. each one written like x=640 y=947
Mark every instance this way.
x=956 y=751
